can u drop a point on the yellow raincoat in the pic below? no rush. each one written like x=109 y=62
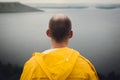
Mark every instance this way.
x=60 y=64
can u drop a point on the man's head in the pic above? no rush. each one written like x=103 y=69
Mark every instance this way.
x=60 y=28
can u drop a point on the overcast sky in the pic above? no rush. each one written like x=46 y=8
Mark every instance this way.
x=66 y=1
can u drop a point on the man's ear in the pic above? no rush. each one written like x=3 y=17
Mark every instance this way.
x=48 y=33
x=70 y=34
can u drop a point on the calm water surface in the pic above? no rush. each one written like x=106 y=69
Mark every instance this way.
x=96 y=35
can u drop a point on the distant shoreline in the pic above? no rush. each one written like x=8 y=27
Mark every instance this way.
x=75 y=6
x=17 y=7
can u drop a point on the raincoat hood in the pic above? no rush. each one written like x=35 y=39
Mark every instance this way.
x=57 y=64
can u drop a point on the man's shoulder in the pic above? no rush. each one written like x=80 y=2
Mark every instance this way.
x=32 y=59
x=84 y=63
x=81 y=58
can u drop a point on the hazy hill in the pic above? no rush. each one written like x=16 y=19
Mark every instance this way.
x=16 y=7
x=107 y=6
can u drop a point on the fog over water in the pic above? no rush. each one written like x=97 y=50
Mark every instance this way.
x=96 y=35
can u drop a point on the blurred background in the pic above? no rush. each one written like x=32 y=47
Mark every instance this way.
x=95 y=23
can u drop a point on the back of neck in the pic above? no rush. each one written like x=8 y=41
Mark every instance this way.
x=62 y=44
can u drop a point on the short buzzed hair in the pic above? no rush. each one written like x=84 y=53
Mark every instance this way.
x=60 y=27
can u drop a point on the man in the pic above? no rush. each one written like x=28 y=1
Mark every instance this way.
x=60 y=62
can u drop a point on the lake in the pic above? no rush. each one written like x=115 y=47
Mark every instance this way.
x=96 y=35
